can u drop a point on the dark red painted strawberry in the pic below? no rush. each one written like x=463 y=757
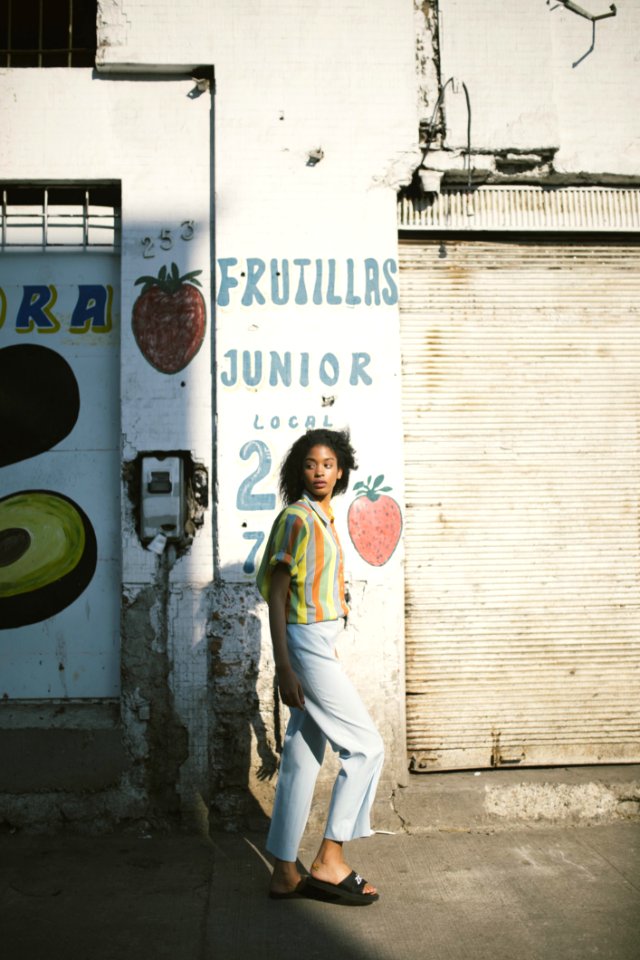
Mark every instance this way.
x=169 y=319
x=374 y=521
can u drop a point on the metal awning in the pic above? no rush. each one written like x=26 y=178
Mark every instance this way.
x=527 y=208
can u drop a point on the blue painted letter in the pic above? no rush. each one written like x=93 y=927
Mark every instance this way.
x=226 y=282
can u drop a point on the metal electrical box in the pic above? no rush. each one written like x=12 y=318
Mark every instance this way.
x=162 y=498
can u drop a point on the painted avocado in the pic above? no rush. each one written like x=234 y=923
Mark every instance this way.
x=48 y=555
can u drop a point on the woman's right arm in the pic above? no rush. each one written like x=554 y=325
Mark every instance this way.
x=290 y=686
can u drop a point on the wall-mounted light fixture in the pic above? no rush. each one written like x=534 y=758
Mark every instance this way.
x=202 y=83
x=314 y=156
x=202 y=77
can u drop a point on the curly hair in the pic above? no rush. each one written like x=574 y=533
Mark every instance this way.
x=291 y=482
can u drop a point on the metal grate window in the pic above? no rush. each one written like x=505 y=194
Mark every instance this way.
x=78 y=217
x=47 y=33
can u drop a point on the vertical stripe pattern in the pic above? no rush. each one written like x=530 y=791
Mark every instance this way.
x=304 y=538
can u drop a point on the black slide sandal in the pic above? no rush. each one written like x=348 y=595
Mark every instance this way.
x=350 y=889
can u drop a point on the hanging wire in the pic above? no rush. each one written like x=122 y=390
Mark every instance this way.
x=431 y=127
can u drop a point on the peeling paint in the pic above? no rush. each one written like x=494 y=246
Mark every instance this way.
x=427 y=56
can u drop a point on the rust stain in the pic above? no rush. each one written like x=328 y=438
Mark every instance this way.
x=434 y=352
x=434 y=343
x=497 y=758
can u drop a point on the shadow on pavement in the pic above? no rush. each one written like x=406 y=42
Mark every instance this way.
x=533 y=894
x=102 y=898
x=245 y=923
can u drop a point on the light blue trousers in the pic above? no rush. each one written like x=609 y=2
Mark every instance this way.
x=333 y=713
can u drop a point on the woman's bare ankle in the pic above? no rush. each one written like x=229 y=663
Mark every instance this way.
x=285 y=876
x=285 y=868
x=330 y=852
x=329 y=860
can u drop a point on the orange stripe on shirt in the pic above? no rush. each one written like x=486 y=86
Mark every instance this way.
x=341 y=597
x=318 y=569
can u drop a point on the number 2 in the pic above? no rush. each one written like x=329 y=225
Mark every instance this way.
x=246 y=498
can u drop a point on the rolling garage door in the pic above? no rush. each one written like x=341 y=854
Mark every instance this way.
x=521 y=393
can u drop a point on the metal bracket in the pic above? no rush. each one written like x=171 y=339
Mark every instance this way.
x=593 y=17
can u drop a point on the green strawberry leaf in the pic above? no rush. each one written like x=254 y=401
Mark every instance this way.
x=149 y=283
x=169 y=281
x=372 y=491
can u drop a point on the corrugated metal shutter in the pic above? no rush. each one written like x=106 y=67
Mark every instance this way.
x=524 y=207
x=521 y=392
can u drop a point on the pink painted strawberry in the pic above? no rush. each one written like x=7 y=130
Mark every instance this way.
x=169 y=319
x=374 y=521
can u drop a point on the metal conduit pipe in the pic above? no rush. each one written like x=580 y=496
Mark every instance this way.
x=439 y=101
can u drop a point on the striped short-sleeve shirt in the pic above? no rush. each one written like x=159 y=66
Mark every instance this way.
x=304 y=538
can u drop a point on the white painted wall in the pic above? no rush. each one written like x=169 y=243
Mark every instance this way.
x=517 y=61
x=149 y=135
x=146 y=132
x=155 y=33
x=290 y=78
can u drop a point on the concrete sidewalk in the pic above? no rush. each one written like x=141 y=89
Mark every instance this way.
x=505 y=799
x=458 y=889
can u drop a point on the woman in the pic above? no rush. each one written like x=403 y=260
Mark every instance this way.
x=302 y=578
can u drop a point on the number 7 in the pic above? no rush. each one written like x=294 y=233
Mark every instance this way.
x=249 y=565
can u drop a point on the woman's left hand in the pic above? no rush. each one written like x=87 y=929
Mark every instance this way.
x=290 y=688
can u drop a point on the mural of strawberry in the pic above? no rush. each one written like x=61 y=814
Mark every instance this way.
x=374 y=521
x=169 y=319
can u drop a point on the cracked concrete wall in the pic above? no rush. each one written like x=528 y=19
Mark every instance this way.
x=543 y=108
x=427 y=57
x=145 y=670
